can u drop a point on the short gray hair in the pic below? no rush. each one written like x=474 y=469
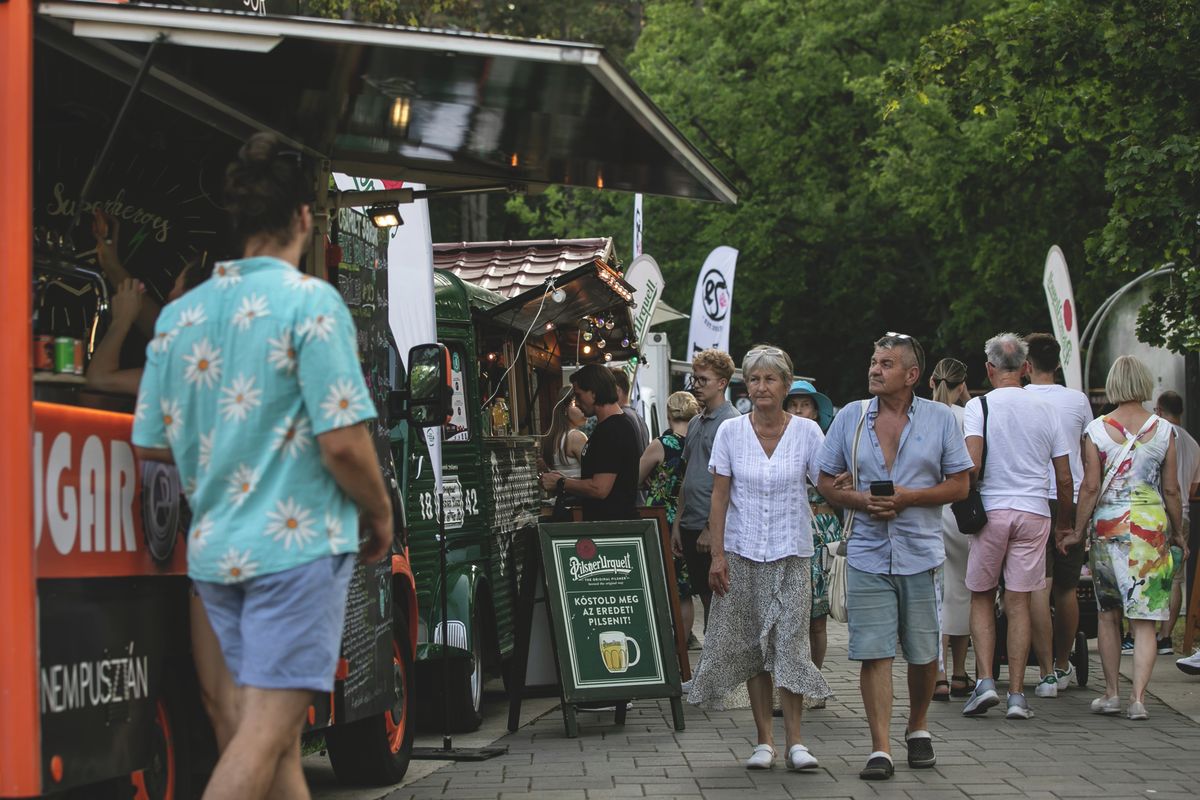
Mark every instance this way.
x=768 y=357
x=1007 y=352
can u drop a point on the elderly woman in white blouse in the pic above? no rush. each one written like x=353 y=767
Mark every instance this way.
x=762 y=544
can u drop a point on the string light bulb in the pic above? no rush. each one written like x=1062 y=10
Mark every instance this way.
x=587 y=336
x=587 y=349
x=608 y=356
x=601 y=344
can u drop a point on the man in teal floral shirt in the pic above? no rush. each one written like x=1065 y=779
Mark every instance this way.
x=253 y=388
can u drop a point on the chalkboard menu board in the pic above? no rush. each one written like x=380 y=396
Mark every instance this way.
x=610 y=613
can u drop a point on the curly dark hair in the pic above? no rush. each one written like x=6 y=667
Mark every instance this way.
x=264 y=187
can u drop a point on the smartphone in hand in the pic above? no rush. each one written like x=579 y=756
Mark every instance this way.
x=882 y=488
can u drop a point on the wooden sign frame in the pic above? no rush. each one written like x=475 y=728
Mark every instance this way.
x=619 y=583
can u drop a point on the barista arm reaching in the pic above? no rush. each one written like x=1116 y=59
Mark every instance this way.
x=106 y=229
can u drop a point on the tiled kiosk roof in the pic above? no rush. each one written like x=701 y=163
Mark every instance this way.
x=511 y=267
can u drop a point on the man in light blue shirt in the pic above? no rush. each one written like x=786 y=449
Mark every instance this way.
x=916 y=447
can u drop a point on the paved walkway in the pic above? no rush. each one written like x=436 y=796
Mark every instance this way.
x=1063 y=752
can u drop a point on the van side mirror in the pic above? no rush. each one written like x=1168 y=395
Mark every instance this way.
x=429 y=390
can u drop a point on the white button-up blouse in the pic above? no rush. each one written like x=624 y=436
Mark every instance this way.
x=769 y=517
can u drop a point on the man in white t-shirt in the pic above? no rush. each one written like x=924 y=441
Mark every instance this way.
x=1022 y=436
x=1052 y=641
x=1187 y=457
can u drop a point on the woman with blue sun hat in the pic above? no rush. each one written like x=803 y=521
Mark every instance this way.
x=803 y=400
x=803 y=394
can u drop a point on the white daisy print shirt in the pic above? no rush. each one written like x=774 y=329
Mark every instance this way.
x=247 y=371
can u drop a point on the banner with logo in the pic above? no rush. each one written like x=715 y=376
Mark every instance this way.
x=1056 y=280
x=410 y=276
x=647 y=281
x=712 y=304
x=637 y=225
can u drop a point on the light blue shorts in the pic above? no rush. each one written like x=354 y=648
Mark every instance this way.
x=884 y=609
x=282 y=631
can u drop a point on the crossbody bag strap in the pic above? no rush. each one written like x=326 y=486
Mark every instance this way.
x=1115 y=465
x=848 y=527
x=983 y=458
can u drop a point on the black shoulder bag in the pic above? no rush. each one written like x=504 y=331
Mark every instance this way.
x=969 y=513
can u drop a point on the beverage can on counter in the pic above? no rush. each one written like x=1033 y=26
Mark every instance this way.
x=78 y=356
x=43 y=353
x=64 y=355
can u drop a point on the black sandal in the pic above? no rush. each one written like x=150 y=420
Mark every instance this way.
x=960 y=691
x=941 y=697
x=878 y=768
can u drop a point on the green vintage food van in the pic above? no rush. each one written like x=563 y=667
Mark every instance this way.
x=507 y=357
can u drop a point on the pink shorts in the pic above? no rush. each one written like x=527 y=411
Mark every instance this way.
x=1012 y=541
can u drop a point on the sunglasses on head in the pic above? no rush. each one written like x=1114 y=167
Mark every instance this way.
x=764 y=351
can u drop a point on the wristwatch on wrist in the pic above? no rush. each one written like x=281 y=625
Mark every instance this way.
x=561 y=485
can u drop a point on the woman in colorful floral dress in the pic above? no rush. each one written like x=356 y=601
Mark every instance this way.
x=661 y=472
x=1127 y=514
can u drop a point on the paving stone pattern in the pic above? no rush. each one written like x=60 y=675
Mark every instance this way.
x=1063 y=752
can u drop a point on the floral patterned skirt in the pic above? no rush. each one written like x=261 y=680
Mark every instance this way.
x=1132 y=576
x=760 y=625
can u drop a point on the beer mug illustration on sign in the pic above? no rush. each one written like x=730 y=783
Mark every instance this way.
x=614 y=649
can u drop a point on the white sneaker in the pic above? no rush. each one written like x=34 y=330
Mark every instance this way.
x=799 y=758
x=1048 y=687
x=686 y=686
x=1191 y=664
x=1106 y=705
x=763 y=757
x=1064 y=676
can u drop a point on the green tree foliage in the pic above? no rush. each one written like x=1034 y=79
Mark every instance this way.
x=1081 y=112
x=778 y=94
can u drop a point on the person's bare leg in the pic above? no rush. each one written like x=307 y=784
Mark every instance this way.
x=705 y=602
x=1041 y=628
x=921 y=679
x=289 y=778
x=1145 y=653
x=819 y=639
x=793 y=709
x=958 y=651
x=1017 y=606
x=761 y=689
x=687 y=613
x=1108 y=642
x=983 y=631
x=1168 y=630
x=875 y=683
x=218 y=692
x=268 y=728
x=1066 y=623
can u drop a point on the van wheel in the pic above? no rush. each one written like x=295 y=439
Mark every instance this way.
x=466 y=688
x=375 y=751
x=159 y=779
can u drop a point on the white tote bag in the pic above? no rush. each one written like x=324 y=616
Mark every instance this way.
x=836 y=581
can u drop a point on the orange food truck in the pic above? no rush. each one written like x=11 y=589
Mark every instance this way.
x=129 y=112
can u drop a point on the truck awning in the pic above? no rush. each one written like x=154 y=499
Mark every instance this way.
x=449 y=109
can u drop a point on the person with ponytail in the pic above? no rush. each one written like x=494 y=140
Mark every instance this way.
x=949 y=384
x=253 y=389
